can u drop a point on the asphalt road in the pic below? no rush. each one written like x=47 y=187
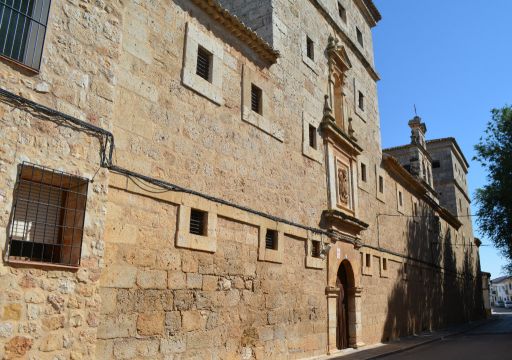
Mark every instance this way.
x=488 y=342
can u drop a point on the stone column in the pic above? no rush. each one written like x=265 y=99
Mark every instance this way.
x=358 y=320
x=332 y=293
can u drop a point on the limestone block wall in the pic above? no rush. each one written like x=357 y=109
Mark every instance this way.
x=49 y=312
x=161 y=301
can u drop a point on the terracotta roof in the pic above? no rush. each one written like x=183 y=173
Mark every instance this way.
x=235 y=26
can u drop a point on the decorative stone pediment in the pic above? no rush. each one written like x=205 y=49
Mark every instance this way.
x=347 y=227
x=337 y=55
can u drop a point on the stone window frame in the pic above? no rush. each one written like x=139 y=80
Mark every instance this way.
x=270 y=255
x=211 y=90
x=363 y=185
x=263 y=121
x=186 y=240
x=311 y=63
x=384 y=270
x=400 y=194
x=380 y=173
x=312 y=153
x=314 y=262
x=358 y=89
x=365 y=265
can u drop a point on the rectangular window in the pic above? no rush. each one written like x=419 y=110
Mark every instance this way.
x=312 y=136
x=256 y=94
x=22 y=30
x=400 y=199
x=368 y=260
x=360 y=100
x=198 y=220
x=415 y=209
x=384 y=264
x=436 y=164
x=47 y=216
x=359 y=36
x=310 y=48
x=381 y=184
x=363 y=172
x=204 y=63
x=342 y=12
x=315 y=249
x=271 y=239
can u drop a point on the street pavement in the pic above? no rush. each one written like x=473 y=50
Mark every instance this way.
x=493 y=340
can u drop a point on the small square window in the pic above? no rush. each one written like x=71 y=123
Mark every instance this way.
x=310 y=48
x=312 y=136
x=271 y=239
x=315 y=249
x=204 y=63
x=381 y=184
x=368 y=260
x=359 y=36
x=360 y=100
x=342 y=12
x=47 y=216
x=384 y=264
x=436 y=164
x=363 y=172
x=256 y=95
x=400 y=199
x=198 y=221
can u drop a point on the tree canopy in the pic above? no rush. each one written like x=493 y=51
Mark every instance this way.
x=494 y=152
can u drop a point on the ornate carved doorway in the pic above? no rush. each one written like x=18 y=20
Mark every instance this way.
x=344 y=282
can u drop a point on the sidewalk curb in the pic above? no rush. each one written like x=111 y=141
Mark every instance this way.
x=439 y=338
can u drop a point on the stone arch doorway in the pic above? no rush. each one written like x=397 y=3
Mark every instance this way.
x=345 y=309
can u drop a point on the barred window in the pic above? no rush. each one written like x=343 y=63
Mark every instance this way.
x=256 y=95
x=310 y=48
x=312 y=136
x=204 y=63
x=22 y=30
x=315 y=248
x=271 y=239
x=198 y=222
x=47 y=216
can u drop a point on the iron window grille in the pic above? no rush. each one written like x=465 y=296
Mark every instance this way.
x=312 y=136
x=204 y=62
x=315 y=249
x=271 y=239
x=198 y=222
x=310 y=48
x=256 y=95
x=47 y=218
x=23 y=26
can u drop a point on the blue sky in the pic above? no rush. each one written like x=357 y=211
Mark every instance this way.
x=453 y=59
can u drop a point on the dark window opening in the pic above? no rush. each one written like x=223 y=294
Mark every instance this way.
x=400 y=199
x=198 y=221
x=381 y=184
x=384 y=264
x=363 y=172
x=407 y=167
x=436 y=164
x=359 y=36
x=22 y=30
x=204 y=63
x=47 y=216
x=310 y=48
x=342 y=12
x=368 y=260
x=360 y=101
x=312 y=136
x=405 y=268
x=256 y=95
x=315 y=249
x=271 y=239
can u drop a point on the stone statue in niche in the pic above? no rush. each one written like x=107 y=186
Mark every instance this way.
x=343 y=185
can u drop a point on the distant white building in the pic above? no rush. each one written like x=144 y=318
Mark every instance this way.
x=501 y=289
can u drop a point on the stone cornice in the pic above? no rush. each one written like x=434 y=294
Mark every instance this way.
x=338 y=137
x=421 y=189
x=370 y=12
x=238 y=29
x=323 y=11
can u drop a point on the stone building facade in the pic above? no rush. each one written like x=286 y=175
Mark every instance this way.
x=204 y=179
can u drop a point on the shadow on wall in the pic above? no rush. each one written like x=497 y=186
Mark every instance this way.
x=441 y=289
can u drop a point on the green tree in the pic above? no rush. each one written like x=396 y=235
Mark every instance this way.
x=494 y=200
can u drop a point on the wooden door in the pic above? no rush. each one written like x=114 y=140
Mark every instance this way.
x=342 y=310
